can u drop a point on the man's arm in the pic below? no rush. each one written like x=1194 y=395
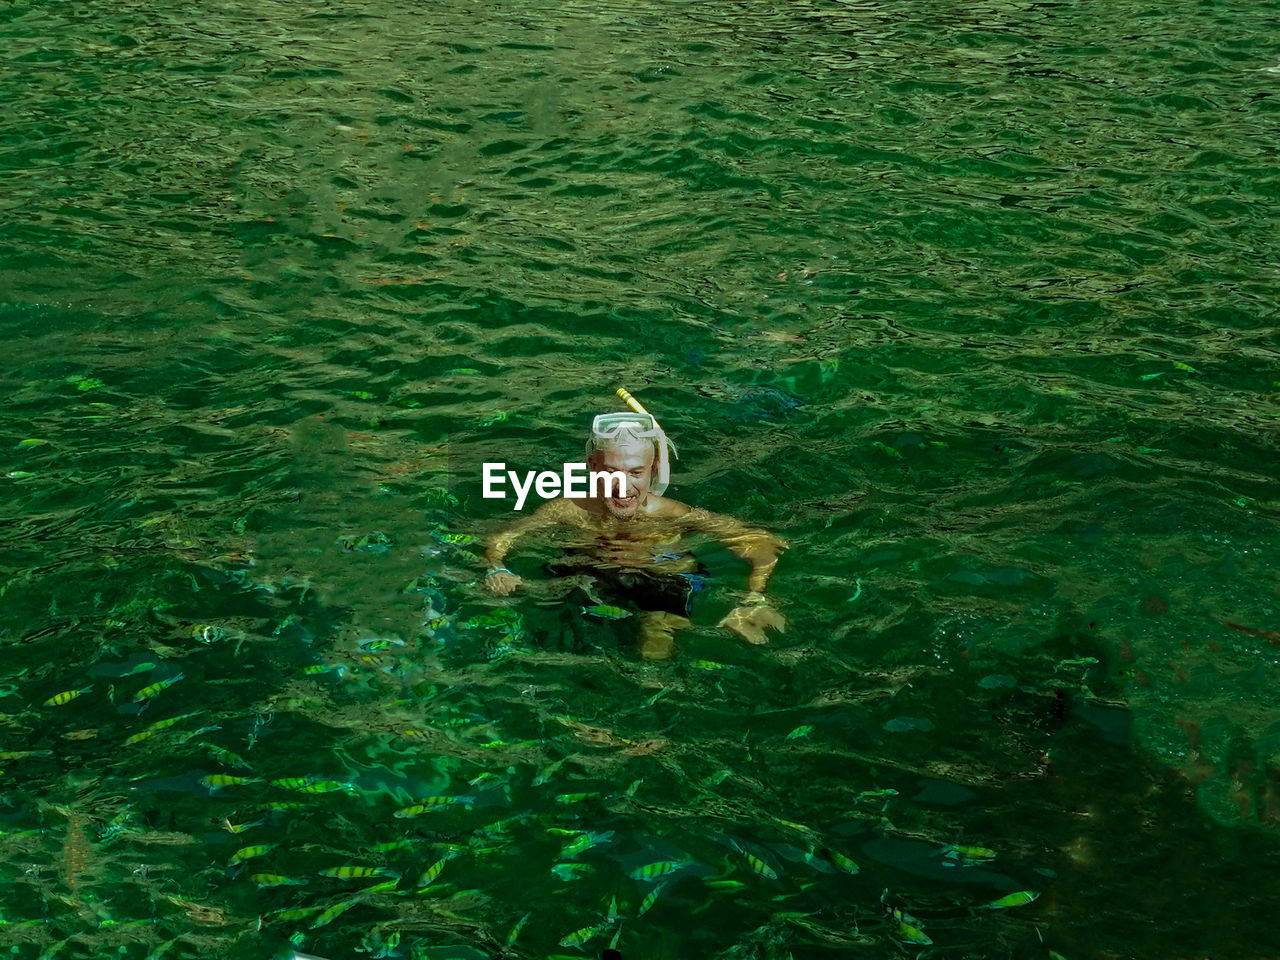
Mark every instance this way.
x=758 y=547
x=498 y=579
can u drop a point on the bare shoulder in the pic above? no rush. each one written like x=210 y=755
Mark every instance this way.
x=558 y=512
x=663 y=508
x=563 y=510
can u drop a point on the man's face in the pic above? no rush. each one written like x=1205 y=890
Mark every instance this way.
x=636 y=462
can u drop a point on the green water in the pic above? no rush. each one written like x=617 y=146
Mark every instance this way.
x=974 y=304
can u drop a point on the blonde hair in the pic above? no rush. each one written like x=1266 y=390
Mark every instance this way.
x=622 y=441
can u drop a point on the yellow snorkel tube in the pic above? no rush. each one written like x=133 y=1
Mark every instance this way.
x=632 y=402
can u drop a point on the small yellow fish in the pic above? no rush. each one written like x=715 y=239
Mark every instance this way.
x=356 y=872
x=151 y=689
x=215 y=781
x=326 y=786
x=459 y=538
x=791 y=824
x=571 y=871
x=967 y=855
x=170 y=721
x=291 y=783
x=316 y=669
x=157 y=727
x=579 y=937
x=392 y=845
x=759 y=866
x=838 y=860
x=333 y=912
x=660 y=868
x=1016 y=899
x=575 y=797
x=606 y=612
x=429 y=803
x=575 y=846
x=229 y=757
x=430 y=874
x=246 y=853
x=274 y=880
x=908 y=931
x=583 y=842
x=515 y=931
x=650 y=899
x=241 y=827
x=66 y=696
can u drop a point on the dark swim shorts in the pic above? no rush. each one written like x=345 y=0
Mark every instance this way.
x=638 y=589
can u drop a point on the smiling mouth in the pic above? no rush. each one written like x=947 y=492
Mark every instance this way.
x=624 y=501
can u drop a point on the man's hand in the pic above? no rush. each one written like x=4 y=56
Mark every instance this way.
x=502 y=582
x=750 y=622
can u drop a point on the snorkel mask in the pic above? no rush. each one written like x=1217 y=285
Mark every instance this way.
x=640 y=425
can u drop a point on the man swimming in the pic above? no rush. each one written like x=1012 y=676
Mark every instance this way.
x=624 y=544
